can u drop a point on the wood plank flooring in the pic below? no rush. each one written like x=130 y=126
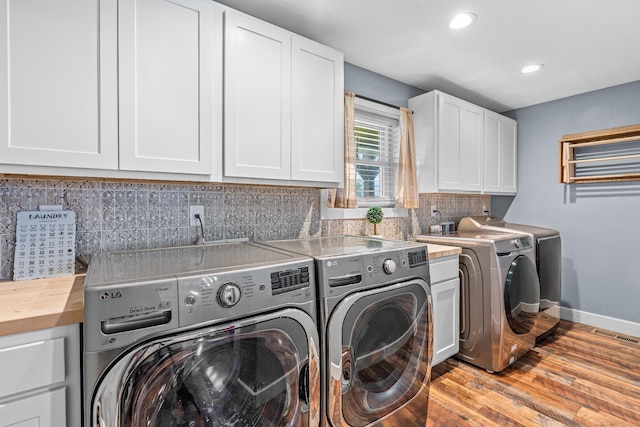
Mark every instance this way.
x=572 y=378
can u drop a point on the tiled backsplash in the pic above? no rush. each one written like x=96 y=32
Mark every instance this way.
x=114 y=215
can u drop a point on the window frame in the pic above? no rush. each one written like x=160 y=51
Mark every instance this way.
x=385 y=112
x=388 y=210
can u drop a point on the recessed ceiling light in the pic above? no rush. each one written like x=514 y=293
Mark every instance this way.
x=462 y=20
x=532 y=68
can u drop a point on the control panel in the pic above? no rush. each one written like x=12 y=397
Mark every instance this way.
x=514 y=244
x=340 y=275
x=289 y=280
x=211 y=297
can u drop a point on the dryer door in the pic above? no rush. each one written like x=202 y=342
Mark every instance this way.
x=253 y=373
x=522 y=295
x=379 y=345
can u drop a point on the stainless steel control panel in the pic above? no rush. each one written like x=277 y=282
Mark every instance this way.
x=211 y=297
x=340 y=275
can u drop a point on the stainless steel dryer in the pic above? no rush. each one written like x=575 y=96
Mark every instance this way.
x=548 y=253
x=499 y=296
x=215 y=335
x=376 y=329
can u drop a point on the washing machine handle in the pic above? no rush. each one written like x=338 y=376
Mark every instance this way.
x=347 y=366
x=303 y=386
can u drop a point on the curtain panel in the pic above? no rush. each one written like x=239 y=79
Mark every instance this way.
x=345 y=197
x=406 y=191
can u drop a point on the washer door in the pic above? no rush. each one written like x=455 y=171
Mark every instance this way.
x=379 y=344
x=252 y=374
x=522 y=295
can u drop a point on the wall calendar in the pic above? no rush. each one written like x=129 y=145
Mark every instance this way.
x=45 y=244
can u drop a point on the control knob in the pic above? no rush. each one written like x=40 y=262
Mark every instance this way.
x=389 y=266
x=229 y=294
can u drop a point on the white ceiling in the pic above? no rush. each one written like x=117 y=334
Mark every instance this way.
x=584 y=44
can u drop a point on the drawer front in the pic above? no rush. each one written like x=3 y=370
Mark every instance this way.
x=30 y=366
x=442 y=269
x=42 y=410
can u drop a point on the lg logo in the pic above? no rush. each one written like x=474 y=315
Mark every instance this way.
x=106 y=295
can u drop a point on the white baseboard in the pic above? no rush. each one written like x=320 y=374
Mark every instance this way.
x=616 y=325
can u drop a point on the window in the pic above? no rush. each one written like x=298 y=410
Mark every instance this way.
x=376 y=134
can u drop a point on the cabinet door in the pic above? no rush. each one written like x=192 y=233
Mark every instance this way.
x=58 y=83
x=449 y=113
x=509 y=155
x=47 y=409
x=446 y=319
x=471 y=147
x=500 y=171
x=169 y=70
x=317 y=140
x=459 y=144
x=257 y=141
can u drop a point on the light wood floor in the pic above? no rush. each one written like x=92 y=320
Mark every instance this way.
x=573 y=378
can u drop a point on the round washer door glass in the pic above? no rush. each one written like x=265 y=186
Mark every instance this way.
x=522 y=295
x=386 y=355
x=250 y=377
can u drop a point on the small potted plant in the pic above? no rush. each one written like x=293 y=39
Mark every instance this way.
x=374 y=216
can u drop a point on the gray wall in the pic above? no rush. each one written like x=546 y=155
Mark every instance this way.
x=599 y=223
x=376 y=86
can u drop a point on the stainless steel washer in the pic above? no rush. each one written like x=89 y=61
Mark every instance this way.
x=548 y=253
x=376 y=328
x=203 y=335
x=499 y=296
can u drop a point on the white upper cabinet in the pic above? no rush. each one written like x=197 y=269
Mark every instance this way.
x=170 y=77
x=500 y=154
x=317 y=148
x=58 y=93
x=128 y=85
x=459 y=135
x=283 y=105
x=461 y=147
x=257 y=141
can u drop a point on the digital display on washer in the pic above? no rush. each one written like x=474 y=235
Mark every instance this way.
x=289 y=280
x=418 y=258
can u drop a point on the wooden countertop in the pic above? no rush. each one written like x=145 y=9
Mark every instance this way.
x=45 y=303
x=40 y=304
x=439 y=251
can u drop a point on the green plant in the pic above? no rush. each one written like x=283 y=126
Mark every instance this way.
x=374 y=216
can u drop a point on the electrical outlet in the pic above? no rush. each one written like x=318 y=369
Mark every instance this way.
x=193 y=210
x=434 y=209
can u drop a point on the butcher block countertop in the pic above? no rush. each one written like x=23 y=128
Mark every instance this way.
x=439 y=251
x=30 y=305
x=45 y=303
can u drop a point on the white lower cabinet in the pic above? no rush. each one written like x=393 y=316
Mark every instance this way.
x=445 y=292
x=40 y=378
